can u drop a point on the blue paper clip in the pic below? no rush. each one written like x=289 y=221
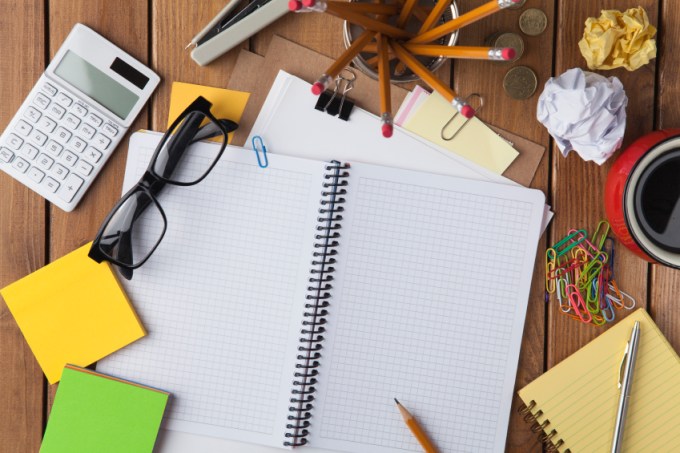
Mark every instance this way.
x=258 y=145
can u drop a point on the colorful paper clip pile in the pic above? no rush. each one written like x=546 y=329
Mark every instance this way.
x=580 y=274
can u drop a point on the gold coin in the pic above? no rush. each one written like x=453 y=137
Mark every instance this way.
x=533 y=22
x=510 y=40
x=520 y=82
x=517 y=5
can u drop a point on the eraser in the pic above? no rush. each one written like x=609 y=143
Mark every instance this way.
x=516 y=1
x=387 y=130
x=308 y=3
x=508 y=53
x=467 y=111
x=294 y=5
x=317 y=88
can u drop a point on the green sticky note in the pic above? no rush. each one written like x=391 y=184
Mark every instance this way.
x=94 y=412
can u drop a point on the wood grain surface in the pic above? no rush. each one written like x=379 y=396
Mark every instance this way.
x=156 y=32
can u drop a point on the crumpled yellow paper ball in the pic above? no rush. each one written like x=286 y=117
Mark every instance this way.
x=617 y=39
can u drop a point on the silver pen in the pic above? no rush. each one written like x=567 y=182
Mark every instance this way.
x=625 y=384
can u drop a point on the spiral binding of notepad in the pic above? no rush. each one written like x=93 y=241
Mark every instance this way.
x=318 y=295
x=549 y=439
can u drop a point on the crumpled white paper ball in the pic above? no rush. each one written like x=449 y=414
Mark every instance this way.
x=585 y=112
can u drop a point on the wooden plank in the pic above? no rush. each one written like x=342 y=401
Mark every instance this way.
x=22 y=229
x=518 y=116
x=665 y=282
x=125 y=23
x=578 y=186
x=174 y=23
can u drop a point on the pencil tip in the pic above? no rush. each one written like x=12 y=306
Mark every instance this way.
x=397 y=401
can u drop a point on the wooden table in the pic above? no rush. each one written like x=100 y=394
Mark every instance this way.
x=33 y=233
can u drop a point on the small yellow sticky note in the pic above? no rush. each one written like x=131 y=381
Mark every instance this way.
x=617 y=39
x=475 y=142
x=227 y=104
x=72 y=311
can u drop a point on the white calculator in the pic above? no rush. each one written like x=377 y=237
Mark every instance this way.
x=74 y=117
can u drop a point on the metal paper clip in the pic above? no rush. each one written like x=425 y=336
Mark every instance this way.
x=258 y=146
x=328 y=102
x=549 y=270
x=608 y=310
x=578 y=304
x=573 y=238
x=466 y=121
x=600 y=234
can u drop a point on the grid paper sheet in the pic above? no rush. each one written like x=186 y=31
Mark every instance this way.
x=431 y=296
x=222 y=296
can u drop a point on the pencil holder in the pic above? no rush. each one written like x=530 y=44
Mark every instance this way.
x=367 y=61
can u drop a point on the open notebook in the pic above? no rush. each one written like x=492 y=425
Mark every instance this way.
x=576 y=401
x=310 y=293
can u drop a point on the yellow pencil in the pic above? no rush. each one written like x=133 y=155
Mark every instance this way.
x=416 y=429
x=461 y=21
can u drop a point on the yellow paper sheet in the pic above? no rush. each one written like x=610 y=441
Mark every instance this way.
x=617 y=39
x=228 y=104
x=72 y=311
x=475 y=142
x=580 y=395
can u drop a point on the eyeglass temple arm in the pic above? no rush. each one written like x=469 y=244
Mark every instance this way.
x=179 y=142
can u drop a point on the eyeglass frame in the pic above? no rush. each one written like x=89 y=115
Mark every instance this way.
x=151 y=183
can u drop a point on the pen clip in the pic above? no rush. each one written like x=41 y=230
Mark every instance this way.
x=623 y=362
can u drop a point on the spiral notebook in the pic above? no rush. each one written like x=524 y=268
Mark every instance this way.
x=575 y=403
x=290 y=305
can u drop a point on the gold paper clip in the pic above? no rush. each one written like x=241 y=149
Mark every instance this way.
x=465 y=121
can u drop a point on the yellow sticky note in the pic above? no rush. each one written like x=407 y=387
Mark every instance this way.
x=475 y=142
x=72 y=311
x=227 y=104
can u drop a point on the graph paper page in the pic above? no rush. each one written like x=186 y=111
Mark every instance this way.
x=429 y=306
x=222 y=296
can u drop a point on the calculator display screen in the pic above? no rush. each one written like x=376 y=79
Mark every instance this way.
x=96 y=84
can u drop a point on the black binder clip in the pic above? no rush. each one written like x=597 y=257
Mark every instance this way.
x=335 y=105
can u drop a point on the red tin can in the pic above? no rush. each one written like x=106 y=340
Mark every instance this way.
x=642 y=197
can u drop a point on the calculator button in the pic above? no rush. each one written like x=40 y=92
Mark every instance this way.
x=20 y=164
x=94 y=119
x=38 y=137
x=110 y=130
x=29 y=151
x=32 y=114
x=41 y=101
x=69 y=158
x=77 y=144
x=51 y=184
x=49 y=89
x=101 y=142
x=71 y=121
x=35 y=174
x=93 y=155
x=84 y=168
x=54 y=148
x=87 y=130
x=59 y=171
x=57 y=110
x=23 y=128
x=6 y=155
x=47 y=124
x=70 y=187
x=45 y=162
x=14 y=141
x=79 y=110
x=63 y=135
x=64 y=100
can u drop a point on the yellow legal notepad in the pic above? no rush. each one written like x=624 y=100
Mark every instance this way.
x=577 y=400
x=72 y=311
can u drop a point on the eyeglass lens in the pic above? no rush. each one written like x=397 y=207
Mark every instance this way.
x=180 y=158
x=134 y=230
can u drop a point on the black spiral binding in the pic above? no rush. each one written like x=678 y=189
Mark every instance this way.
x=547 y=438
x=325 y=251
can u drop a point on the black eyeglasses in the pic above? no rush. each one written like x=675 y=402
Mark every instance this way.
x=136 y=224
